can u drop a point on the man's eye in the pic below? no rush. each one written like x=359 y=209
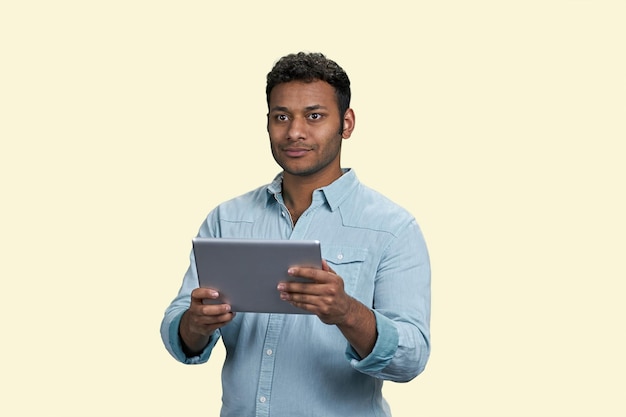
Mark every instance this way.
x=315 y=116
x=281 y=117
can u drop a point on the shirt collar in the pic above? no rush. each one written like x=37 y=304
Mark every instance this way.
x=334 y=193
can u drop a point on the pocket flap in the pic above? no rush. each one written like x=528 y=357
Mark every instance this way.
x=343 y=254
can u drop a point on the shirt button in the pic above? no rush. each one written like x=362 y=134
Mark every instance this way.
x=269 y=352
x=262 y=399
x=340 y=256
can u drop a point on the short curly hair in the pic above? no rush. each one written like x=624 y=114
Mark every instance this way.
x=309 y=67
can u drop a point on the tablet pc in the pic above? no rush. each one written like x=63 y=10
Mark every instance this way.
x=246 y=271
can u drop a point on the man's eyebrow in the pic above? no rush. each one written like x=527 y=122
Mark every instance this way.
x=278 y=108
x=307 y=108
x=315 y=107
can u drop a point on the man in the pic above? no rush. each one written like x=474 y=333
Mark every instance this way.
x=371 y=299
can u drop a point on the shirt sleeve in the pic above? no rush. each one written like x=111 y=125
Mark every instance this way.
x=174 y=312
x=402 y=311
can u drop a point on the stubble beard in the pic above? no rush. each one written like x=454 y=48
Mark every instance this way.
x=305 y=171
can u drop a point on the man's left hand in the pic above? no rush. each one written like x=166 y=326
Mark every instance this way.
x=324 y=296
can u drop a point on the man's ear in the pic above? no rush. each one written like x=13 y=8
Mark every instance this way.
x=348 y=123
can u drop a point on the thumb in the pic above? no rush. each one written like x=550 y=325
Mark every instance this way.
x=326 y=267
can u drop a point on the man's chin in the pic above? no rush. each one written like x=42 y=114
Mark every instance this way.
x=300 y=172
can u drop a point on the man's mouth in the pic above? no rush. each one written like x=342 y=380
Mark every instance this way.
x=296 y=152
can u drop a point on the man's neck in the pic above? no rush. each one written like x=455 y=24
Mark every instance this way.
x=298 y=190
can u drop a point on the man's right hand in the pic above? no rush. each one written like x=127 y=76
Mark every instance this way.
x=201 y=320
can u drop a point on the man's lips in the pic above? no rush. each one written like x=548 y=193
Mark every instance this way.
x=296 y=152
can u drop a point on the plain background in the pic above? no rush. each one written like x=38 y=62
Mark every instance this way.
x=499 y=125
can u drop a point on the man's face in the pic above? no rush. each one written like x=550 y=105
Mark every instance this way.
x=303 y=125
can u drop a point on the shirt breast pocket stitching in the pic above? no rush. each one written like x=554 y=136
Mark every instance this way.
x=346 y=262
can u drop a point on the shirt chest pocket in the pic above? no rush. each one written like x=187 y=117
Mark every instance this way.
x=347 y=262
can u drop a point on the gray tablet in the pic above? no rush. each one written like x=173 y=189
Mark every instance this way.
x=247 y=271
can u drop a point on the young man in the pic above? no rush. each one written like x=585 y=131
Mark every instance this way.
x=371 y=299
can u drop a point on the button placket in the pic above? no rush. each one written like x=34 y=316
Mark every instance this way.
x=266 y=375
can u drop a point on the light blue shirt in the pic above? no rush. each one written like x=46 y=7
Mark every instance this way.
x=286 y=365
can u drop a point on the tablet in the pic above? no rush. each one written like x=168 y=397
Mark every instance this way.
x=246 y=271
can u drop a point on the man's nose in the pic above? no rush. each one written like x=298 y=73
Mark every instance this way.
x=297 y=129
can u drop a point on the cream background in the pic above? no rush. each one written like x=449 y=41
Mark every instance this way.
x=500 y=125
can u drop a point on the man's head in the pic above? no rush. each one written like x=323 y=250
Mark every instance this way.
x=308 y=99
x=308 y=67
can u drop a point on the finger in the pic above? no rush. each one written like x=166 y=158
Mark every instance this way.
x=211 y=314
x=294 y=287
x=300 y=300
x=314 y=274
x=218 y=320
x=215 y=309
x=210 y=323
x=200 y=294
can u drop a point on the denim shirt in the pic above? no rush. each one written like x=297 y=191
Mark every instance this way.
x=285 y=365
